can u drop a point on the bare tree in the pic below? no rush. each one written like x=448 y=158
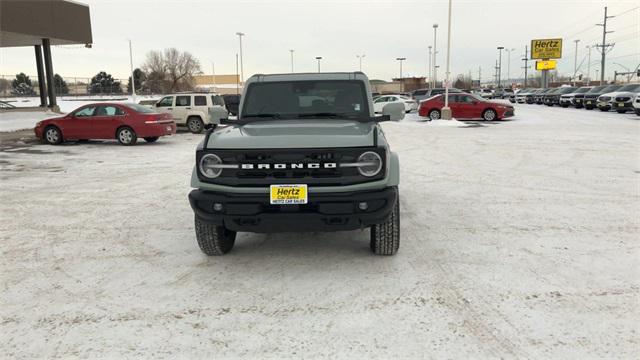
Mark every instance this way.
x=170 y=70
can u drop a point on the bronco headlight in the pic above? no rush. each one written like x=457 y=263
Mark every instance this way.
x=210 y=166
x=370 y=164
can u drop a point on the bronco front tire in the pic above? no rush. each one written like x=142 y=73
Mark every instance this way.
x=214 y=240
x=385 y=237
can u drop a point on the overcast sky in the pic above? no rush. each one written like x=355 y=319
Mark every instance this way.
x=338 y=31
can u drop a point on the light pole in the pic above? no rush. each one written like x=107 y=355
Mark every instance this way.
x=360 y=57
x=589 y=65
x=429 y=68
x=575 y=62
x=446 y=110
x=401 y=59
x=509 y=65
x=597 y=70
x=240 y=35
x=500 y=48
x=291 y=51
x=318 y=58
x=435 y=51
x=213 y=70
x=133 y=81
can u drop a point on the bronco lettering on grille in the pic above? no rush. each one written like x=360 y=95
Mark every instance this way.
x=280 y=166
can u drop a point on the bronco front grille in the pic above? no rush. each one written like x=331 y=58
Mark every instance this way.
x=263 y=167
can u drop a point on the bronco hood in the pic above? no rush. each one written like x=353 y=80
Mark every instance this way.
x=306 y=133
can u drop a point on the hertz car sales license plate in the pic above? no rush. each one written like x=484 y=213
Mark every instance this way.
x=288 y=194
x=620 y=104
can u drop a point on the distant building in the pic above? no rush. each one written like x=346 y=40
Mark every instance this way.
x=222 y=84
x=398 y=85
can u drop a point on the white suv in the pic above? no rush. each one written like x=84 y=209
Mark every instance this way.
x=195 y=110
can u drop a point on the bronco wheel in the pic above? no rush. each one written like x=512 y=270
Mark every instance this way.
x=489 y=115
x=212 y=239
x=385 y=237
x=195 y=125
x=52 y=135
x=151 y=139
x=434 y=114
x=126 y=136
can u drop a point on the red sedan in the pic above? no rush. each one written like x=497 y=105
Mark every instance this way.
x=121 y=121
x=465 y=106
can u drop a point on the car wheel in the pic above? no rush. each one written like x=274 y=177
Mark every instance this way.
x=126 y=136
x=489 y=115
x=52 y=135
x=195 y=125
x=434 y=114
x=385 y=237
x=151 y=139
x=603 y=109
x=212 y=239
x=620 y=111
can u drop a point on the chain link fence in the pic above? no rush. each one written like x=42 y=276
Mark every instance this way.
x=12 y=86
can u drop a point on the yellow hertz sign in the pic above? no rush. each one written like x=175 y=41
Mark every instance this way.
x=546 y=65
x=546 y=49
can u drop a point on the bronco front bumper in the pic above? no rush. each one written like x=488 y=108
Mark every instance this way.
x=323 y=211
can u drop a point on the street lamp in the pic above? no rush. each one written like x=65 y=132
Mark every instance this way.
x=429 y=68
x=509 y=65
x=133 y=81
x=589 y=65
x=575 y=62
x=401 y=59
x=318 y=58
x=291 y=51
x=240 y=35
x=446 y=110
x=435 y=31
x=500 y=48
x=360 y=57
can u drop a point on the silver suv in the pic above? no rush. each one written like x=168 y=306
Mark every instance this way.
x=194 y=110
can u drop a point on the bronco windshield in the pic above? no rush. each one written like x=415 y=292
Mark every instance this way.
x=346 y=99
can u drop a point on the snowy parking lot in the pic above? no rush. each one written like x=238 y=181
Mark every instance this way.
x=519 y=240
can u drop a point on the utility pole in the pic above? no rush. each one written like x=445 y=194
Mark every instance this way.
x=575 y=62
x=603 y=47
x=500 y=48
x=291 y=51
x=318 y=58
x=401 y=59
x=525 y=58
x=429 y=69
x=589 y=65
x=240 y=35
x=435 y=51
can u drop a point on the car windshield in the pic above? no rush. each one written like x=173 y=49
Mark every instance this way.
x=597 y=89
x=140 y=108
x=610 y=88
x=307 y=99
x=582 y=90
x=632 y=87
x=566 y=90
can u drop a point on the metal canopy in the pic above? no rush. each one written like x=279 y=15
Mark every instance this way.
x=27 y=22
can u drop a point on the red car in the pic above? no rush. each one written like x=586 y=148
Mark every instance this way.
x=465 y=106
x=124 y=122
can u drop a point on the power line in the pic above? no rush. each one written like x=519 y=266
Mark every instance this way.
x=604 y=46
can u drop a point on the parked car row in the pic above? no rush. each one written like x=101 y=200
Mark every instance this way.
x=621 y=98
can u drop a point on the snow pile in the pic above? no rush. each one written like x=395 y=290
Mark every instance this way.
x=19 y=120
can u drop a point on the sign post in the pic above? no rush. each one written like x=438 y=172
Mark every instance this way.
x=544 y=50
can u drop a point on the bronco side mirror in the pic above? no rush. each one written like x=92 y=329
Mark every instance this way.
x=395 y=111
x=217 y=114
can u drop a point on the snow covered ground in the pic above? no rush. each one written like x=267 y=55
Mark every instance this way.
x=519 y=240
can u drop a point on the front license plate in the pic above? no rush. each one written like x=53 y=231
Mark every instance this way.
x=288 y=194
x=588 y=102
x=620 y=104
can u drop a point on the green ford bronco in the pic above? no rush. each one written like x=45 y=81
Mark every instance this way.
x=306 y=153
